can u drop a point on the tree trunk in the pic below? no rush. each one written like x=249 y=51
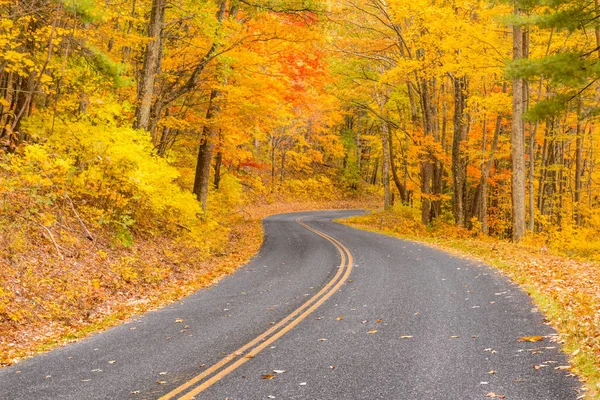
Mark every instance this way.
x=459 y=164
x=375 y=170
x=481 y=194
x=282 y=171
x=205 y=151
x=151 y=64
x=218 y=163
x=427 y=165
x=399 y=185
x=385 y=147
x=578 y=171
x=517 y=141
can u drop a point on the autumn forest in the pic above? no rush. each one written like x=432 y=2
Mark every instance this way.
x=141 y=141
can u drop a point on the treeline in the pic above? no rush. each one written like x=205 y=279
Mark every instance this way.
x=486 y=112
x=481 y=113
x=136 y=112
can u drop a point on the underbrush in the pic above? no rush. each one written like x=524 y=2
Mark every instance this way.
x=566 y=290
x=95 y=228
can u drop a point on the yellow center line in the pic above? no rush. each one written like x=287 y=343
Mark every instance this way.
x=302 y=312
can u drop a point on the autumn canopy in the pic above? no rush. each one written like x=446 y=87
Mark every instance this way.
x=137 y=135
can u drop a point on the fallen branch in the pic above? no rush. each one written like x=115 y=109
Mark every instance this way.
x=53 y=241
x=89 y=235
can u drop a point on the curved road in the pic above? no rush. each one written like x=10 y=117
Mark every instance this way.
x=323 y=312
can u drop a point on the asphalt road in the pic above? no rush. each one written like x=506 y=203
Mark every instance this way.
x=363 y=316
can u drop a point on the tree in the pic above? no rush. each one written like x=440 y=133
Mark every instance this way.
x=517 y=138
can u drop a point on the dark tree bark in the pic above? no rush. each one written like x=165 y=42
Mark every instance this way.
x=459 y=161
x=152 y=60
x=375 y=171
x=205 y=151
x=399 y=185
x=385 y=146
x=218 y=164
x=578 y=170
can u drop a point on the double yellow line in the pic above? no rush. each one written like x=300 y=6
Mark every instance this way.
x=230 y=363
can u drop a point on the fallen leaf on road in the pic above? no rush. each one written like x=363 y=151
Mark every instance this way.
x=267 y=376
x=112 y=361
x=85 y=380
x=379 y=321
x=161 y=382
x=341 y=317
x=494 y=395
x=322 y=340
x=563 y=367
x=531 y=339
x=492 y=372
x=405 y=337
x=179 y=320
x=454 y=337
x=372 y=331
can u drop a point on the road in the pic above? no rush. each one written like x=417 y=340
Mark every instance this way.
x=324 y=311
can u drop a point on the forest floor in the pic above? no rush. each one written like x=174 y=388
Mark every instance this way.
x=46 y=301
x=565 y=289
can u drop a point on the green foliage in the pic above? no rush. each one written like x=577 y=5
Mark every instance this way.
x=549 y=107
x=104 y=65
x=569 y=69
x=86 y=11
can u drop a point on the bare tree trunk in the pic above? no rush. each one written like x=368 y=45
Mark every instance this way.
x=385 y=148
x=151 y=65
x=375 y=170
x=427 y=165
x=459 y=164
x=485 y=174
x=399 y=185
x=282 y=171
x=218 y=164
x=517 y=141
x=579 y=140
x=205 y=151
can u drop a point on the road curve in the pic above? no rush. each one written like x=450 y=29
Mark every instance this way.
x=324 y=311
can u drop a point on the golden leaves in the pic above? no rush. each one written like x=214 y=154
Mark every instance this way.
x=531 y=339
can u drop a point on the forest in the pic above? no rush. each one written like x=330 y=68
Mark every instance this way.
x=142 y=140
